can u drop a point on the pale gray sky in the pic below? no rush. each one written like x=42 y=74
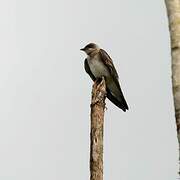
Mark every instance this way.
x=45 y=92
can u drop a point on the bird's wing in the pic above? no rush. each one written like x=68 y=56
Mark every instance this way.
x=120 y=100
x=87 y=69
x=106 y=59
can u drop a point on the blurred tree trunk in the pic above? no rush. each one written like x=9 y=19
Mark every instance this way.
x=97 y=124
x=173 y=11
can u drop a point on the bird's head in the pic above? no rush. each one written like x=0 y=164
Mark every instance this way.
x=90 y=48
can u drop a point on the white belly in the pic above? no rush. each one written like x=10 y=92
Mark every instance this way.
x=97 y=67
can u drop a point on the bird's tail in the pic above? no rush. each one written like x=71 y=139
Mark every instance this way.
x=119 y=102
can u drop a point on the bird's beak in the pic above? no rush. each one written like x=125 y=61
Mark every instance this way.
x=82 y=49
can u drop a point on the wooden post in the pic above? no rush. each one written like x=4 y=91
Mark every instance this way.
x=97 y=124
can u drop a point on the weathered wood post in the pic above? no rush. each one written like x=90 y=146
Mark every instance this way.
x=97 y=126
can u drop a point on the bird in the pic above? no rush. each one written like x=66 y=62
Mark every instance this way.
x=99 y=64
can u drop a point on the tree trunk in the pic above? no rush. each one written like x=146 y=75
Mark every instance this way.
x=173 y=11
x=97 y=123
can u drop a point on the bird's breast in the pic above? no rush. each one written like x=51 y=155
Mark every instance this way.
x=97 y=67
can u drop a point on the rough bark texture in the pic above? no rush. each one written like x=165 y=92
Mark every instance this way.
x=173 y=11
x=97 y=122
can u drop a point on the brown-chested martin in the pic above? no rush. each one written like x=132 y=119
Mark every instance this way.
x=98 y=64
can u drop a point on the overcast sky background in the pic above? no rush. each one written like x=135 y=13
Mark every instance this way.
x=45 y=92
